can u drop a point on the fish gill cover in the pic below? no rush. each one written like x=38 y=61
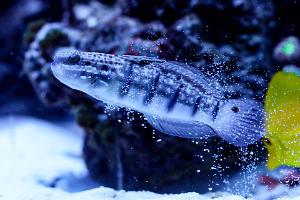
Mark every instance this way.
x=230 y=42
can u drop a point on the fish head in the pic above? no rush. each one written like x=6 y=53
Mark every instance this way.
x=240 y=121
x=81 y=70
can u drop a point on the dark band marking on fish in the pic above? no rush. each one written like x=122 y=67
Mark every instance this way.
x=196 y=105
x=174 y=98
x=101 y=67
x=176 y=69
x=124 y=89
x=151 y=90
x=94 y=79
x=215 y=110
x=185 y=72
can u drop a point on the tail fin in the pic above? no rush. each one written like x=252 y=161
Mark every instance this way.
x=241 y=122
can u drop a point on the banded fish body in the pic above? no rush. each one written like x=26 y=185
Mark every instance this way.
x=175 y=98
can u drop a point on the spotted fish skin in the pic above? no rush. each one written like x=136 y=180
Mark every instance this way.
x=149 y=78
x=172 y=94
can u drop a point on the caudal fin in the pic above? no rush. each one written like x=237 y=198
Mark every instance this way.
x=241 y=122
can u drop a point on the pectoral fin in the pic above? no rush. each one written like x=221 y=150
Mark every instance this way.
x=181 y=128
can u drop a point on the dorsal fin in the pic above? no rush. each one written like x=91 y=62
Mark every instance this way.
x=142 y=60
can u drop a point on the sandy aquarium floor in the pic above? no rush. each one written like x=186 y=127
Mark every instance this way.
x=42 y=160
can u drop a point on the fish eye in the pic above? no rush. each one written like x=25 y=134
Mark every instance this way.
x=268 y=142
x=74 y=59
x=235 y=109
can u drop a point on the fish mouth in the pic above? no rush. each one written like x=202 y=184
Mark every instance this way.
x=57 y=70
x=66 y=74
x=77 y=76
x=60 y=74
